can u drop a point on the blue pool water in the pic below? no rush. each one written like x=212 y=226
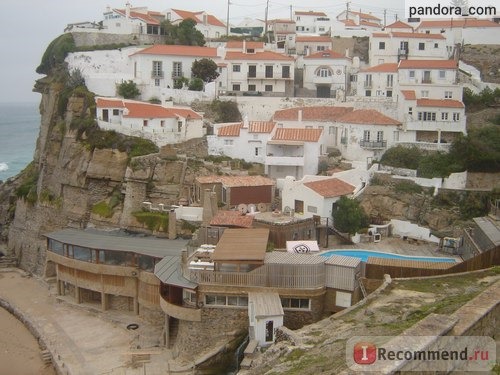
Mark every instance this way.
x=364 y=254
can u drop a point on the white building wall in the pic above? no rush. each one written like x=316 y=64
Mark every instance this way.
x=379 y=86
x=242 y=147
x=337 y=79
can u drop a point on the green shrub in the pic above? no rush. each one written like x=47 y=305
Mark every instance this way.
x=102 y=209
x=402 y=157
x=128 y=90
x=56 y=52
x=154 y=221
x=179 y=83
x=408 y=187
x=225 y=111
x=196 y=84
x=27 y=189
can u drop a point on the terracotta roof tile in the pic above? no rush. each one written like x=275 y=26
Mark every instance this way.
x=381 y=35
x=430 y=64
x=313 y=38
x=383 y=68
x=349 y=22
x=365 y=15
x=146 y=17
x=309 y=13
x=398 y=25
x=109 y=103
x=147 y=110
x=232 y=219
x=368 y=117
x=400 y=34
x=297 y=134
x=457 y=22
x=234 y=181
x=318 y=113
x=248 y=44
x=409 y=94
x=198 y=17
x=371 y=24
x=326 y=54
x=175 y=50
x=450 y=103
x=331 y=187
x=230 y=130
x=261 y=126
x=266 y=55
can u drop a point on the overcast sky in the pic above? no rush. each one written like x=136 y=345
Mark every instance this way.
x=28 y=26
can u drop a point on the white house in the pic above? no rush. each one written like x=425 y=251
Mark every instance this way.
x=210 y=26
x=366 y=134
x=391 y=47
x=309 y=22
x=313 y=195
x=283 y=31
x=400 y=26
x=326 y=73
x=359 y=19
x=252 y=71
x=379 y=81
x=265 y=314
x=161 y=65
x=132 y=21
x=310 y=44
x=463 y=30
x=162 y=125
x=243 y=140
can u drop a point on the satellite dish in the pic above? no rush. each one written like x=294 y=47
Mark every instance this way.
x=252 y=208
x=262 y=207
x=242 y=207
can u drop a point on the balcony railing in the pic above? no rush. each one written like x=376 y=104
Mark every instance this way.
x=176 y=75
x=373 y=144
x=180 y=312
x=368 y=85
x=157 y=74
x=426 y=80
x=285 y=160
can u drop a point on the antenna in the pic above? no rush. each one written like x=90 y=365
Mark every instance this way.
x=227 y=20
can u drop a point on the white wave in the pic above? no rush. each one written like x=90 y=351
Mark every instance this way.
x=3 y=167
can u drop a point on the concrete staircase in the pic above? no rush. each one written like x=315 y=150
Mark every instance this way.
x=249 y=354
x=8 y=261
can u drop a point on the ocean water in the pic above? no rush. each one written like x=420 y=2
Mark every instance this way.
x=19 y=125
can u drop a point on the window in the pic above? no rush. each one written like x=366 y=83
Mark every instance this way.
x=157 y=69
x=162 y=123
x=410 y=110
x=331 y=130
x=228 y=142
x=189 y=296
x=424 y=93
x=412 y=74
x=296 y=303
x=312 y=209
x=368 y=93
x=299 y=206
x=436 y=45
x=427 y=116
x=442 y=74
x=381 y=45
x=236 y=68
x=157 y=82
x=324 y=72
x=421 y=46
x=456 y=116
x=216 y=300
x=179 y=126
x=321 y=29
x=320 y=48
x=366 y=135
x=426 y=77
x=395 y=136
x=116 y=112
x=269 y=88
x=379 y=93
x=380 y=136
x=251 y=87
x=177 y=69
x=256 y=151
x=236 y=87
x=448 y=94
x=368 y=80
x=444 y=116
x=144 y=122
x=390 y=80
x=250 y=50
x=285 y=71
x=269 y=71
x=389 y=93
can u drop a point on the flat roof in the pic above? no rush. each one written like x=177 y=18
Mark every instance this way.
x=117 y=241
x=279 y=218
x=169 y=271
x=344 y=261
x=242 y=245
x=266 y=304
x=281 y=257
x=489 y=229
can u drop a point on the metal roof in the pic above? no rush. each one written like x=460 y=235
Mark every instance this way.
x=169 y=271
x=489 y=229
x=266 y=304
x=280 y=257
x=410 y=263
x=113 y=241
x=344 y=261
x=241 y=245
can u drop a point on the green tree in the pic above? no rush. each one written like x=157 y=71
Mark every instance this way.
x=184 y=33
x=349 y=216
x=196 y=84
x=205 y=69
x=225 y=111
x=180 y=82
x=128 y=90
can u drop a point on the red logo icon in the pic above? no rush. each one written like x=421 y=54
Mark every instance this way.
x=365 y=353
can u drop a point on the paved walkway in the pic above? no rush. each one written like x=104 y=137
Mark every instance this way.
x=82 y=342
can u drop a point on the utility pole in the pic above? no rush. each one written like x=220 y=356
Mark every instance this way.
x=291 y=13
x=227 y=19
x=265 y=26
x=385 y=13
x=347 y=10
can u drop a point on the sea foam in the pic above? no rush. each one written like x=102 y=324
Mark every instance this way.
x=3 y=167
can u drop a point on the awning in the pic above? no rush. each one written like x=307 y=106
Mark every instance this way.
x=302 y=247
x=168 y=270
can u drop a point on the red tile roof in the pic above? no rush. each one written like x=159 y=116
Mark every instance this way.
x=309 y=13
x=400 y=34
x=230 y=130
x=329 y=188
x=266 y=55
x=175 y=50
x=261 y=126
x=365 y=15
x=313 y=38
x=449 y=103
x=297 y=134
x=381 y=35
x=457 y=22
x=318 y=113
x=368 y=117
x=399 y=25
x=349 y=22
x=232 y=219
x=326 y=54
x=232 y=181
x=248 y=44
x=409 y=94
x=198 y=17
x=371 y=24
x=428 y=64
x=146 y=17
x=382 y=68
x=147 y=110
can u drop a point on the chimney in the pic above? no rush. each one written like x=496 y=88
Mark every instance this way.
x=127 y=10
x=172 y=225
x=245 y=121
x=207 y=207
x=244 y=46
x=299 y=113
x=213 y=203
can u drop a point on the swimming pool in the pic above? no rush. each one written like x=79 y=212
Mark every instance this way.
x=364 y=254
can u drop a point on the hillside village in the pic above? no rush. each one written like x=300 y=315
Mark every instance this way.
x=207 y=209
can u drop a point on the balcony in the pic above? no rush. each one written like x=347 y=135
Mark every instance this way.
x=367 y=85
x=267 y=76
x=180 y=312
x=176 y=75
x=426 y=80
x=285 y=160
x=157 y=74
x=343 y=140
x=323 y=80
x=373 y=144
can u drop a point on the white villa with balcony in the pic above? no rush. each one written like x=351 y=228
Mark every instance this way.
x=326 y=73
x=309 y=44
x=366 y=21
x=309 y=22
x=209 y=25
x=379 y=81
x=162 y=125
x=130 y=20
